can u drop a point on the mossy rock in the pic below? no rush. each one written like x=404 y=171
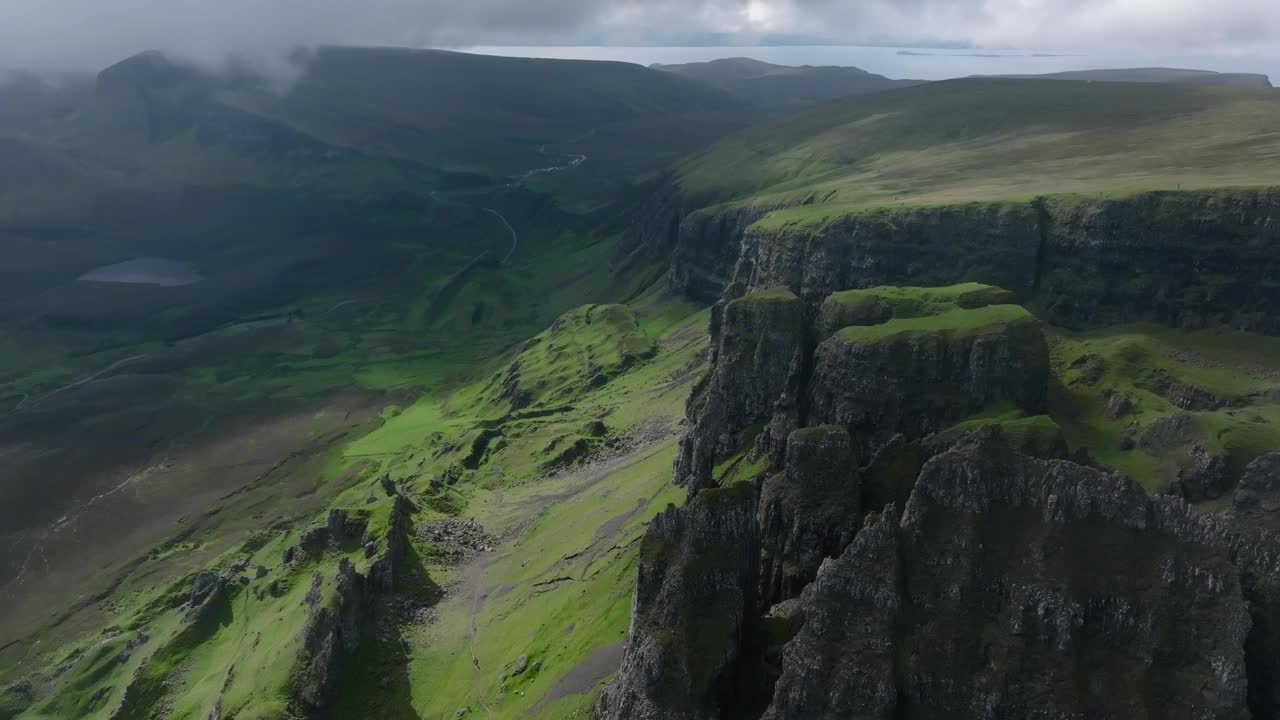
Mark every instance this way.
x=959 y=322
x=1038 y=435
x=767 y=296
x=878 y=305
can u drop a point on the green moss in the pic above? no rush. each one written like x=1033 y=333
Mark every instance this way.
x=1238 y=368
x=914 y=301
x=818 y=433
x=718 y=497
x=958 y=322
x=767 y=296
x=1037 y=434
x=745 y=471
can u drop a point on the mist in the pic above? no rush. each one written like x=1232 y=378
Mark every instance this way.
x=86 y=35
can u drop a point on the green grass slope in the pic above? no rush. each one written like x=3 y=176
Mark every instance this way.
x=1115 y=383
x=984 y=139
x=1157 y=75
x=336 y=283
x=553 y=587
x=785 y=87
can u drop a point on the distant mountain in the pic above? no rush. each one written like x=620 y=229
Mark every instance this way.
x=1157 y=75
x=28 y=100
x=783 y=86
x=500 y=115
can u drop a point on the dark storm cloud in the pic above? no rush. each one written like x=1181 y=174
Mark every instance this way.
x=70 y=34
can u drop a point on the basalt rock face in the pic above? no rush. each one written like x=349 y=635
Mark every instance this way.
x=1014 y=583
x=1017 y=587
x=694 y=590
x=920 y=383
x=842 y=663
x=1182 y=258
x=1257 y=499
x=1255 y=515
x=996 y=244
x=758 y=344
x=808 y=512
x=705 y=250
x=1186 y=259
x=1009 y=586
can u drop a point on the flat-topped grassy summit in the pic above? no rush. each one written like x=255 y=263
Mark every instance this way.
x=960 y=322
x=987 y=139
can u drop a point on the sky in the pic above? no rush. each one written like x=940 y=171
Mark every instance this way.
x=90 y=34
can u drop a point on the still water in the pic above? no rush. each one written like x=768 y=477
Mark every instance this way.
x=145 y=271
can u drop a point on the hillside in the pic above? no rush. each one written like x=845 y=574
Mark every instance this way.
x=984 y=139
x=784 y=87
x=368 y=397
x=501 y=116
x=381 y=233
x=1179 y=76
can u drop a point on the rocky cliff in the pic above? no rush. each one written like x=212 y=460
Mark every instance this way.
x=694 y=593
x=1016 y=587
x=1012 y=582
x=1009 y=586
x=920 y=377
x=758 y=352
x=1181 y=258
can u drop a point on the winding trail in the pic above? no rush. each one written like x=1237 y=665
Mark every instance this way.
x=573 y=161
x=515 y=237
x=24 y=404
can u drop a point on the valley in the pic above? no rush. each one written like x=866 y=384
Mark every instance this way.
x=576 y=390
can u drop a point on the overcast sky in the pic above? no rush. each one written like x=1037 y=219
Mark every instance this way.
x=88 y=34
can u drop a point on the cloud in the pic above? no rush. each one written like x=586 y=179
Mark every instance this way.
x=88 y=34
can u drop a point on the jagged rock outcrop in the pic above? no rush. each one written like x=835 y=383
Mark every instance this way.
x=16 y=698
x=336 y=621
x=842 y=665
x=695 y=587
x=1021 y=587
x=808 y=512
x=757 y=355
x=1196 y=473
x=921 y=377
x=1256 y=503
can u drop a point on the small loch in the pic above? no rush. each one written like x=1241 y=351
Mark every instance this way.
x=145 y=271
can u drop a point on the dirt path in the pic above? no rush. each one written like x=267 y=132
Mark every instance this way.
x=24 y=404
x=598 y=664
x=515 y=237
x=574 y=160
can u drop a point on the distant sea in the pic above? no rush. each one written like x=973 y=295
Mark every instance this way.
x=912 y=63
